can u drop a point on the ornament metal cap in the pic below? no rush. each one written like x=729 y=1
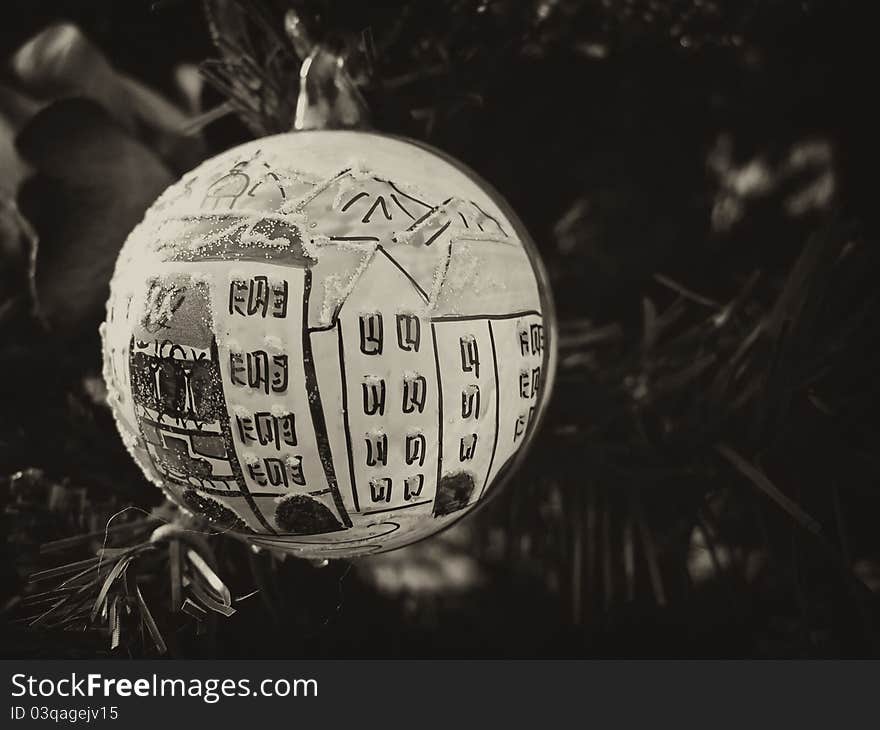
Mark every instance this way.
x=328 y=98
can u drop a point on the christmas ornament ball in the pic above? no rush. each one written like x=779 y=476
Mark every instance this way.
x=332 y=343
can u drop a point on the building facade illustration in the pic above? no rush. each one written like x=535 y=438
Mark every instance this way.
x=371 y=380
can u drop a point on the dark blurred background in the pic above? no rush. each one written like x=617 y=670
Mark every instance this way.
x=699 y=178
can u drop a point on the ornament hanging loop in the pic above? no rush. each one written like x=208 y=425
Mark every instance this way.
x=328 y=97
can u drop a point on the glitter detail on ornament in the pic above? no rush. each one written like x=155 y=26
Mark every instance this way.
x=330 y=359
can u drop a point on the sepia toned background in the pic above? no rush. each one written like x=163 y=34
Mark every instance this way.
x=699 y=178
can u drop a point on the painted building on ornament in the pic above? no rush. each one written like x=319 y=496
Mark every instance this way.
x=389 y=366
